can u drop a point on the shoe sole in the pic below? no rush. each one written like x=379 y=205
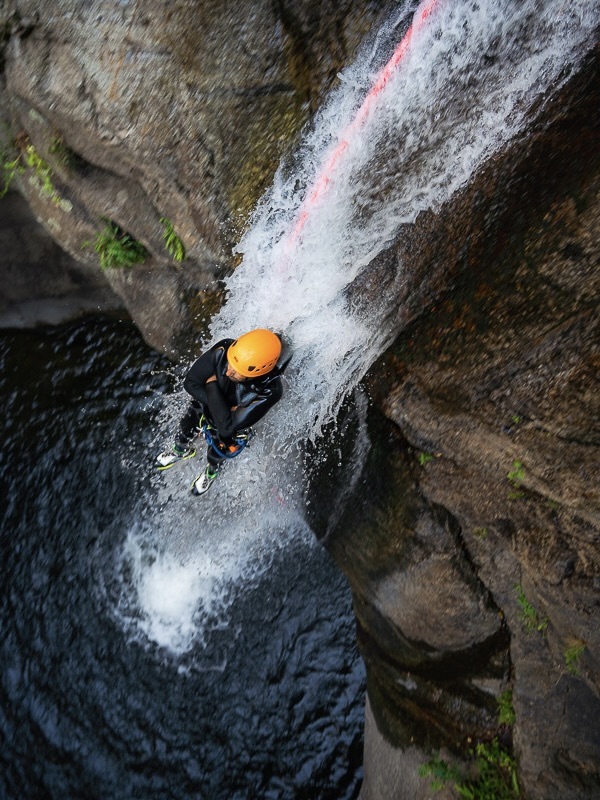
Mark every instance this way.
x=162 y=468
x=195 y=491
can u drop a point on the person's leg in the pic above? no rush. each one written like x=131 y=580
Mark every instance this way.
x=189 y=423
x=182 y=447
x=215 y=462
x=206 y=478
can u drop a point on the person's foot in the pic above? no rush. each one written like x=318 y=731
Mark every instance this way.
x=179 y=452
x=204 y=481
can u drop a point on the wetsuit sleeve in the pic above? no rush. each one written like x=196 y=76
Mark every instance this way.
x=219 y=410
x=199 y=373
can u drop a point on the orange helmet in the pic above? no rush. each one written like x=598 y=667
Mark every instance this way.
x=255 y=353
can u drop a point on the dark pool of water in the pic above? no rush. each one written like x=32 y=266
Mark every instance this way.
x=85 y=710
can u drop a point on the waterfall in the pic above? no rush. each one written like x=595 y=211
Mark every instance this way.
x=464 y=87
x=468 y=76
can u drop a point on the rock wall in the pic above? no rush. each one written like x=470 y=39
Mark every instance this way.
x=472 y=543
x=178 y=110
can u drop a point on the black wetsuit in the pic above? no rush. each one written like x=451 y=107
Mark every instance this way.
x=229 y=407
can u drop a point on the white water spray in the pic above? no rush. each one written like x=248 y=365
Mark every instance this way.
x=464 y=88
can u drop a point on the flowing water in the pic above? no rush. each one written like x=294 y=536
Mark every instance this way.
x=158 y=645
x=466 y=85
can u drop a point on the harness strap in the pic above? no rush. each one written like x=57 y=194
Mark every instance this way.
x=210 y=434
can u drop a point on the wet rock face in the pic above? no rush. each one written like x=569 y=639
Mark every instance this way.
x=503 y=394
x=435 y=645
x=177 y=110
x=473 y=544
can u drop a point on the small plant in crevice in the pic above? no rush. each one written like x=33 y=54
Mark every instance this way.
x=493 y=775
x=513 y=426
x=529 y=617
x=506 y=712
x=41 y=170
x=28 y=157
x=10 y=166
x=425 y=458
x=516 y=476
x=117 y=248
x=173 y=243
x=480 y=533
x=517 y=473
x=573 y=655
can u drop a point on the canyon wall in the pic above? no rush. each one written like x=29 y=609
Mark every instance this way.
x=472 y=540
x=471 y=544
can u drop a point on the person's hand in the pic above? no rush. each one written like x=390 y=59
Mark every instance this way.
x=211 y=379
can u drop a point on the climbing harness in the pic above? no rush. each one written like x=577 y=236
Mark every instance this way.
x=241 y=440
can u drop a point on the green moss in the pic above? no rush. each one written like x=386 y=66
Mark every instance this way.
x=265 y=139
x=516 y=474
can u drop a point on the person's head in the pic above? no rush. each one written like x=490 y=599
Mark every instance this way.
x=254 y=354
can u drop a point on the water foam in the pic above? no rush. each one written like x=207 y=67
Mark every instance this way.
x=465 y=87
x=184 y=556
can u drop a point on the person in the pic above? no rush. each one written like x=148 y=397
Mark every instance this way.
x=232 y=385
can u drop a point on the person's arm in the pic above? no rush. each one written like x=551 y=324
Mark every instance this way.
x=228 y=421
x=199 y=373
x=219 y=410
